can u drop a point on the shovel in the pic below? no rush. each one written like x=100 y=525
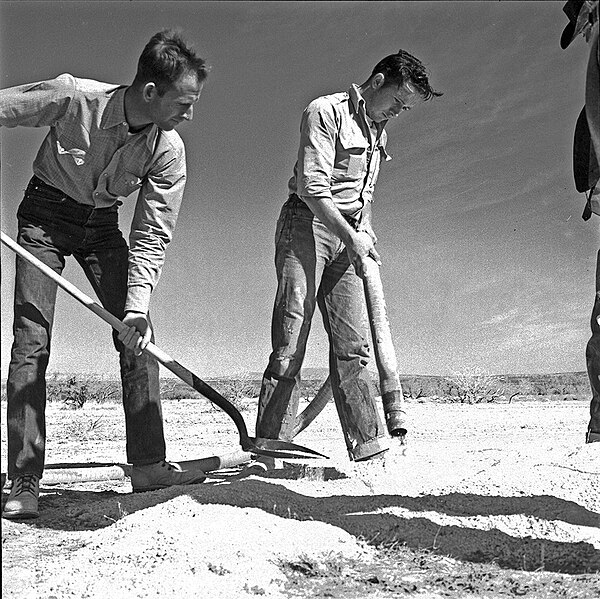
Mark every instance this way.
x=266 y=447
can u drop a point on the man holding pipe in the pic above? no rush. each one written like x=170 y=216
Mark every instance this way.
x=323 y=235
x=105 y=142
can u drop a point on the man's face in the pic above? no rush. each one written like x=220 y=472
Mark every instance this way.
x=176 y=104
x=388 y=101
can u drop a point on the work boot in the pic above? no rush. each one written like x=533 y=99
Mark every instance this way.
x=161 y=475
x=23 y=499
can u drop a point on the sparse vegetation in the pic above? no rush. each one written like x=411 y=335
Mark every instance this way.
x=475 y=385
x=238 y=389
x=242 y=389
x=399 y=571
x=75 y=390
x=73 y=393
x=120 y=514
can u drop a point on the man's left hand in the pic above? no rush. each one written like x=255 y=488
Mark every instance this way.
x=139 y=333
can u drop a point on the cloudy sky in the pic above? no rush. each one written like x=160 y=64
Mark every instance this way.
x=487 y=261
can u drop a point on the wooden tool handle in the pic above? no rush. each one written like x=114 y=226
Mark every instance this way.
x=175 y=367
x=383 y=347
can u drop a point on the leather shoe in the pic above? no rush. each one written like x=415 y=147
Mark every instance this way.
x=163 y=474
x=22 y=502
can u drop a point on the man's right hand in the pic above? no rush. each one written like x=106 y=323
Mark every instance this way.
x=359 y=244
x=361 y=248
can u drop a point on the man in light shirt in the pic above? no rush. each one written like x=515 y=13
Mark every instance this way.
x=323 y=235
x=105 y=142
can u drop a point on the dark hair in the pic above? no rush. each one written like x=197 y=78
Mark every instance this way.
x=165 y=58
x=404 y=67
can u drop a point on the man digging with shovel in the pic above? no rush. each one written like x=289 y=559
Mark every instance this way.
x=105 y=142
x=323 y=238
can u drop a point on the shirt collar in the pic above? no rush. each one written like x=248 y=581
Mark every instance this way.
x=358 y=103
x=114 y=115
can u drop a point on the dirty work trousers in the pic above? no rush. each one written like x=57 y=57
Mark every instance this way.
x=592 y=355
x=313 y=269
x=51 y=227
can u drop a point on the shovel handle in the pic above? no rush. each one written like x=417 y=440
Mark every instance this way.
x=268 y=447
x=175 y=367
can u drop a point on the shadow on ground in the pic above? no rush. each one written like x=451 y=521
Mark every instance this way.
x=361 y=516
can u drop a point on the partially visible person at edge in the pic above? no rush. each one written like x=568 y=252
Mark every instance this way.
x=583 y=20
x=105 y=142
x=323 y=235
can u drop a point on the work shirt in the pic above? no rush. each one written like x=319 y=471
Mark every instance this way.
x=90 y=155
x=340 y=152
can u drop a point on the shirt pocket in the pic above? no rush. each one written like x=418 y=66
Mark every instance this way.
x=352 y=154
x=123 y=184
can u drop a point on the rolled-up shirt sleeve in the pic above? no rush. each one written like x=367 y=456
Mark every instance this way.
x=152 y=226
x=316 y=156
x=38 y=104
x=592 y=92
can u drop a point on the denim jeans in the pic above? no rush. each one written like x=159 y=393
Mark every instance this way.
x=51 y=227
x=313 y=269
x=593 y=358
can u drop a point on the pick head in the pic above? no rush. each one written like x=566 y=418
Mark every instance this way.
x=280 y=449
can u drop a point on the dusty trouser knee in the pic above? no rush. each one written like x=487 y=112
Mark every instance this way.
x=593 y=367
x=279 y=399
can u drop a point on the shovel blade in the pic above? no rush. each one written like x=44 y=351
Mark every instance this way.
x=280 y=449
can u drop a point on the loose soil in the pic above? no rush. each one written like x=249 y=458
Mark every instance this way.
x=486 y=500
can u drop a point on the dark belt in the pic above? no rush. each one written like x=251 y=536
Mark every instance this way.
x=353 y=221
x=53 y=192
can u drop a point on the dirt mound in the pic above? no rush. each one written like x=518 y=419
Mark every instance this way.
x=498 y=491
x=175 y=548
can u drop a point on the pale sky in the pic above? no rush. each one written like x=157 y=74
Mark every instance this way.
x=486 y=260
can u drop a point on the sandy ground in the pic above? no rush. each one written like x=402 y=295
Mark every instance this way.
x=510 y=484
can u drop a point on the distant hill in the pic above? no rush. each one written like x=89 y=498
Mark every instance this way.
x=413 y=385
x=315 y=373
